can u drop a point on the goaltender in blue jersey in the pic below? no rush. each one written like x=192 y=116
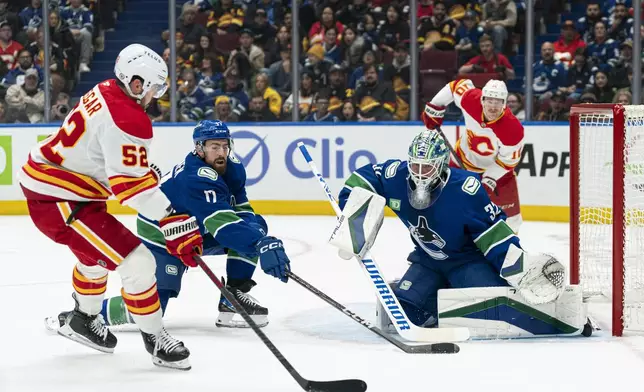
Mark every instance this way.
x=210 y=184
x=461 y=242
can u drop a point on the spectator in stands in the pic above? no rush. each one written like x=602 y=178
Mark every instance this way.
x=60 y=107
x=272 y=10
x=586 y=24
x=332 y=51
x=194 y=103
x=618 y=74
x=226 y=17
x=249 y=58
x=233 y=88
x=368 y=58
x=425 y=9
x=338 y=89
x=601 y=88
x=56 y=61
x=556 y=110
x=31 y=18
x=468 y=35
x=60 y=34
x=321 y=111
x=189 y=29
x=588 y=97
x=258 y=110
x=394 y=30
x=223 y=110
x=163 y=110
x=499 y=16
x=208 y=77
x=9 y=48
x=439 y=30
x=348 y=113
x=367 y=29
x=549 y=74
x=25 y=100
x=515 y=103
x=81 y=24
x=7 y=14
x=282 y=40
x=353 y=47
x=375 y=100
x=280 y=72
x=318 y=65
x=3 y=111
x=603 y=52
x=25 y=63
x=305 y=98
x=623 y=97
x=621 y=25
x=398 y=73
x=264 y=32
x=273 y=98
x=568 y=43
x=488 y=61
x=327 y=19
x=206 y=48
x=579 y=75
x=354 y=12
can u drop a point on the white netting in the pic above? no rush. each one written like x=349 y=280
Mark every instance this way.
x=595 y=210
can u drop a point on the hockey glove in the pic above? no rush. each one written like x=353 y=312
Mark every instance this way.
x=490 y=186
x=272 y=258
x=182 y=237
x=433 y=115
x=156 y=171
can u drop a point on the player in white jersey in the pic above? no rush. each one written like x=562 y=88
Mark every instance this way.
x=492 y=142
x=101 y=150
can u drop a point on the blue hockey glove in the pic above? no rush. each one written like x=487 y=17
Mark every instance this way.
x=272 y=258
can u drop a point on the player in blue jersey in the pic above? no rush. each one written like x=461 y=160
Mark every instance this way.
x=461 y=238
x=210 y=184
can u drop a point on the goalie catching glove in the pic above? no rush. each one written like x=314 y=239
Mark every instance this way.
x=182 y=237
x=356 y=229
x=538 y=278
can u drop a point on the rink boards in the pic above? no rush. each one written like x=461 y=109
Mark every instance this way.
x=279 y=181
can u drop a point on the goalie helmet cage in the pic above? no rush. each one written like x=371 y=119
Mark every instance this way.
x=607 y=208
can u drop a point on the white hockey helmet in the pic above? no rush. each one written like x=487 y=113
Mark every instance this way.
x=137 y=60
x=495 y=89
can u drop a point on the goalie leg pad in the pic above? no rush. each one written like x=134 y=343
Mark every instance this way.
x=356 y=229
x=417 y=291
x=500 y=312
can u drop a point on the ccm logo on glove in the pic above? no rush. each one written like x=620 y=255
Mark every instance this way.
x=271 y=246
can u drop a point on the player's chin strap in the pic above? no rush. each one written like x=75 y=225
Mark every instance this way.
x=539 y=278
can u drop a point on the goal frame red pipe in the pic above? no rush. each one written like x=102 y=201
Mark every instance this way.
x=618 y=217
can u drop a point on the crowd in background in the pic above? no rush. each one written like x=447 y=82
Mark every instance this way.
x=234 y=56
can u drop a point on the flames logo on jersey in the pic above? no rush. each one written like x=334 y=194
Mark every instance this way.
x=426 y=237
x=479 y=144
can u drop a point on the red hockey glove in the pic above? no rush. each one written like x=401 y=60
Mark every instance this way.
x=182 y=237
x=433 y=115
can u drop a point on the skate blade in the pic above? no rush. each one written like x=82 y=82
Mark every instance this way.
x=52 y=323
x=67 y=332
x=184 y=364
x=234 y=320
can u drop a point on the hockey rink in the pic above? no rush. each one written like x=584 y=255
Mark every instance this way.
x=320 y=342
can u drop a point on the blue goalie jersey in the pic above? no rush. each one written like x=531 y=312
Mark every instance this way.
x=462 y=226
x=218 y=202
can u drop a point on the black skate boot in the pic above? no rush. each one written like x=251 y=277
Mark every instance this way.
x=229 y=318
x=88 y=330
x=167 y=351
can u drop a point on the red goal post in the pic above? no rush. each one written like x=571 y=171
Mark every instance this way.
x=607 y=208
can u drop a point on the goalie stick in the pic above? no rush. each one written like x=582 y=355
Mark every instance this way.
x=433 y=348
x=307 y=385
x=405 y=328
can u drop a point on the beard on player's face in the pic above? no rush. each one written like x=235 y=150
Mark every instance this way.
x=219 y=164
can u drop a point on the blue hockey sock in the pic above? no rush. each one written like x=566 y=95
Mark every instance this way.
x=239 y=267
x=164 y=297
x=114 y=311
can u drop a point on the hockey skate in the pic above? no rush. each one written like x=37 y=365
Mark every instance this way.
x=229 y=318
x=166 y=351
x=88 y=330
x=53 y=323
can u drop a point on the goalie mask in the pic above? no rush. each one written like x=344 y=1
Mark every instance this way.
x=427 y=161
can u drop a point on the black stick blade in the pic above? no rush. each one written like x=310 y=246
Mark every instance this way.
x=435 y=348
x=336 y=386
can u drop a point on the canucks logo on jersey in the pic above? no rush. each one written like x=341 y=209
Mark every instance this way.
x=425 y=237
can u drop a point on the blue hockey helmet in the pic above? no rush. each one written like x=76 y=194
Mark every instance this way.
x=210 y=130
x=428 y=164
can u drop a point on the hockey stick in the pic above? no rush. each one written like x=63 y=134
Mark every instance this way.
x=433 y=348
x=451 y=149
x=405 y=328
x=307 y=385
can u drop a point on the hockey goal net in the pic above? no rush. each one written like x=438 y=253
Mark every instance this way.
x=607 y=208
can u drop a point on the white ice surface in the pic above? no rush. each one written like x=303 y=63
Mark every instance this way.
x=322 y=343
